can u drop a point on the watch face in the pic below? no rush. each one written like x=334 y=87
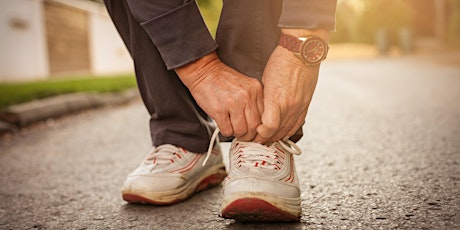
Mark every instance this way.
x=313 y=51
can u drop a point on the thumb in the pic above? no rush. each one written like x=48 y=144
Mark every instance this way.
x=271 y=119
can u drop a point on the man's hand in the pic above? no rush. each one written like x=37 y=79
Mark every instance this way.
x=288 y=89
x=232 y=99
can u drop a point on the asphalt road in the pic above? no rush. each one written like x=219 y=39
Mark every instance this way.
x=381 y=150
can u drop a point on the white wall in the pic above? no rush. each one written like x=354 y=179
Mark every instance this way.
x=23 y=48
x=108 y=52
x=23 y=53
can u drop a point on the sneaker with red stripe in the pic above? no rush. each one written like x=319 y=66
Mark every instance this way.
x=171 y=174
x=262 y=184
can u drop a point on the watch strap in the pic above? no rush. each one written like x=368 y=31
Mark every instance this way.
x=290 y=42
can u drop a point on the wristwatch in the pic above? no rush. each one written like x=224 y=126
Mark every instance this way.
x=312 y=50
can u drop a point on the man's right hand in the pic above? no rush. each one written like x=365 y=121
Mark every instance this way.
x=232 y=99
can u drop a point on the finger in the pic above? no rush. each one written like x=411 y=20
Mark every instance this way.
x=295 y=128
x=300 y=122
x=260 y=101
x=270 y=123
x=286 y=125
x=238 y=122
x=260 y=139
x=224 y=124
x=279 y=135
x=253 y=121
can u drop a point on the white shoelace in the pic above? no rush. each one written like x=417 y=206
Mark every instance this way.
x=211 y=145
x=254 y=151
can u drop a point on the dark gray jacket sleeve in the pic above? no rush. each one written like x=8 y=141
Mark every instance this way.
x=176 y=27
x=308 y=14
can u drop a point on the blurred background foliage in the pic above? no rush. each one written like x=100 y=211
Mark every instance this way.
x=210 y=9
x=405 y=23
x=453 y=28
x=358 y=20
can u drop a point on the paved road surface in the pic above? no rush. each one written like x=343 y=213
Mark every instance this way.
x=381 y=150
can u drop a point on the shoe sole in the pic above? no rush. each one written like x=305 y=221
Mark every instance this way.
x=257 y=207
x=210 y=178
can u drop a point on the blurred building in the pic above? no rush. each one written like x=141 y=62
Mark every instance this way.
x=57 y=38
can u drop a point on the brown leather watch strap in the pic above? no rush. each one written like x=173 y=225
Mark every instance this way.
x=290 y=42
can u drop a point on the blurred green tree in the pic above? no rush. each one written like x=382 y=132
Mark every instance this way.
x=453 y=24
x=360 y=24
x=346 y=22
x=389 y=15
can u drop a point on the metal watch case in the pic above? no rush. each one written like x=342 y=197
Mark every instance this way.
x=313 y=50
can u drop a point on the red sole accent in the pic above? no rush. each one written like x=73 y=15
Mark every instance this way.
x=253 y=209
x=208 y=182
x=211 y=181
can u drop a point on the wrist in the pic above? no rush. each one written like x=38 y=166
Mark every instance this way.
x=195 y=72
x=297 y=32
x=310 y=46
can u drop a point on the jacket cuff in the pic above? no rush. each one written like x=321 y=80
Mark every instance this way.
x=308 y=14
x=180 y=35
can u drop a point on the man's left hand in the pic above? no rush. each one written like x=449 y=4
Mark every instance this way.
x=288 y=89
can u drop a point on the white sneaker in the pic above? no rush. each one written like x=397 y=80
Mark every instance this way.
x=172 y=174
x=262 y=184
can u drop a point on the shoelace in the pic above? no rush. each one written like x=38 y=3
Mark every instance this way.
x=272 y=156
x=162 y=154
x=254 y=151
x=211 y=145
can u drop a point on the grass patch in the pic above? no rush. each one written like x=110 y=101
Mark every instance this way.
x=210 y=10
x=14 y=93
